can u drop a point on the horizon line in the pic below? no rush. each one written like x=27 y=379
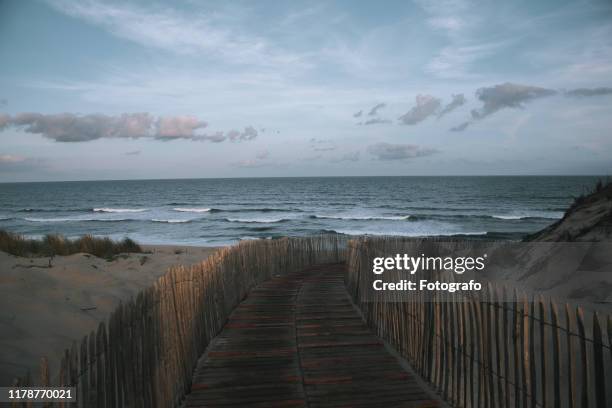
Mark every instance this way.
x=307 y=177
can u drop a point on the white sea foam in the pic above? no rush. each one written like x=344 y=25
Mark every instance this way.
x=120 y=210
x=553 y=215
x=194 y=210
x=256 y=220
x=422 y=233
x=509 y=217
x=74 y=219
x=360 y=218
x=170 y=221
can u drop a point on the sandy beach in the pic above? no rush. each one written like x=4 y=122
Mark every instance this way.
x=43 y=309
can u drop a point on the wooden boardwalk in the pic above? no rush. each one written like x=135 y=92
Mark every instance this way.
x=297 y=341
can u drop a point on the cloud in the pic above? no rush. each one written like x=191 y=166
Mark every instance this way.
x=132 y=153
x=178 y=127
x=322 y=145
x=260 y=160
x=11 y=159
x=376 y=108
x=351 y=156
x=312 y=158
x=375 y=121
x=458 y=61
x=5 y=120
x=457 y=101
x=3 y=101
x=249 y=133
x=16 y=163
x=181 y=33
x=507 y=95
x=386 y=151
x=358 y=114
x=216 y=137
x=68 y=127
x=264 y=154
x=250 y=163
x=461 y=127
x=584 y=92
x=447 y=23
x=426 y=105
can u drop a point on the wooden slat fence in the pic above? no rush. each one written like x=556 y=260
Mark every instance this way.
x=144 y=356
x=486 y=351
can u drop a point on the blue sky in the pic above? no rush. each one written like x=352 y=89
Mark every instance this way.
x=119 y=90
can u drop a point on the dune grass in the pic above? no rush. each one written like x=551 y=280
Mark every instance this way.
x=53 y=244
x=602 y=188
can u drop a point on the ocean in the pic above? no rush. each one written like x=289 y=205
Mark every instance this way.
x=214 y=212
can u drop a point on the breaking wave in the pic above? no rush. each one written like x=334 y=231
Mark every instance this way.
x=257 y=220
x=192 y=210
x=120 y=210
x=362 y=218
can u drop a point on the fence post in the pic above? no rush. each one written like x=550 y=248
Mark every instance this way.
x=571 y=366
x=598 y=361
x=584 y=365
x=516 y=320
x=556 y=354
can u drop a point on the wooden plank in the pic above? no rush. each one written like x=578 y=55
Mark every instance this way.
x=100 y=365
x=506 y=341
x=610 y=335
x=73 y=365
x=317 y=359
x=543 y=349
x=598 y=364
x=533 y=391
x=524 y=323
x=63 y=375
x=91 y=368
x=44 y=376
x=516 y=319
x=474 y=387
x=119 y=342
x=444 y=349
x=556 y=354
x=571 y=370
x=453 y=347
x=460 y=351
x=111 y=364
x=584 y=362
x=489 y=350
x=83 y=399
x=499 y=342
x=128 y=355
x=466 y=359
x=481 y=397
x=609 y=325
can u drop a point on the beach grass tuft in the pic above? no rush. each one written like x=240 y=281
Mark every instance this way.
x=53 y=244
x=601 y=188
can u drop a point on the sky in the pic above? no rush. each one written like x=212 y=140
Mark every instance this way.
x=144 y=89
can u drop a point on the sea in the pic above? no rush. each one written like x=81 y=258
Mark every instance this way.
x=213 y=212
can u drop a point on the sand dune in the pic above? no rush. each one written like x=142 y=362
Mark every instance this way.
x=43 y=309
x=588 y=220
